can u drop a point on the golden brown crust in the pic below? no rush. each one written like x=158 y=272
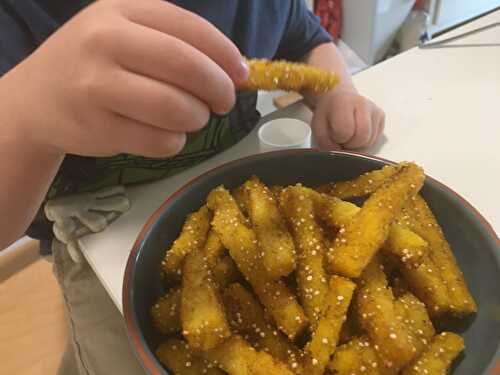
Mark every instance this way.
x=283 y=75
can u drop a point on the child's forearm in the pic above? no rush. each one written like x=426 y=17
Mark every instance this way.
x=26 y=170
x=327 y=57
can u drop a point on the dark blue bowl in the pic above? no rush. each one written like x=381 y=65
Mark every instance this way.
x=475 y=243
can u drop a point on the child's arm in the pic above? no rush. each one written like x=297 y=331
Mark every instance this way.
x=120 y=77
x=342 y=117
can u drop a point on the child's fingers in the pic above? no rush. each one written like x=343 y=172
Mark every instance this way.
x=322 y=132
x=376 y=124
x=152 y=102
x=342 y=124
x=171 y=60
x=192 y=29
x=363 y=128
x=132 y=137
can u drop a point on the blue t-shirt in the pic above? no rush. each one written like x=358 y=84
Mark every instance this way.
x=260 y=28
x=273 y=29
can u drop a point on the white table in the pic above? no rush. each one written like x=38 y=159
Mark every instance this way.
x=443 y=111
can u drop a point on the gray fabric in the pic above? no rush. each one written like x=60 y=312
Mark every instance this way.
x=97 y=342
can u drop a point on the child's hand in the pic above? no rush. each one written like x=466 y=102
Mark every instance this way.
x=124 y=76
x=345 y=119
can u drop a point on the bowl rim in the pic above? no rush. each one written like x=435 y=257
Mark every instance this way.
x=150 y=363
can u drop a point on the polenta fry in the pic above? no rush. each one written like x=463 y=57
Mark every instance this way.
x=193 y=236
x=412 y=312
x=438 y=357
x=237 y=357
x=326 y=336
x=401 y=242
x=427 y=284
x=376 y=313
x=241 y=242
x=276 y=243
x=240 y=198
x=283 y=75
x=213 y=249
x=166 y=312
x=204 y=323
x=311 y=276
x=367 y=231
x=461 y=302
x=356 y=357
x=360 y=186
x=176 y=356
x=248 y=319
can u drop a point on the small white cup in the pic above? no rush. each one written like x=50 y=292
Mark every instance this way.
x=284 y=133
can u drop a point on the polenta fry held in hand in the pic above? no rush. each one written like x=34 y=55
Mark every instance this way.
x=366 y=232
x=377 y=315
x=276 y=243
x=204 y=323
x=193 y=236
x=423 y=222
x=311 y=277
x=240 y=240
x=237 y=357
x=166 y=312
x=176 y=356
x=247 y=317
x=326 y=336
x=283 y=75
x=438 y=357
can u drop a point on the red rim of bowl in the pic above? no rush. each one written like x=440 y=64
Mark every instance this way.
x=149 y=362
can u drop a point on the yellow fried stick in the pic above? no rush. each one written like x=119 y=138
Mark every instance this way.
x=226 y=272
x=358 y=356
x=311 y=276
x=214 y=250
x=240 y=198
x=326 y=336
x=248 y=319
x=438 y=357
x=360 y=186
x=237 y=357
x=165 y=312
x=283 y=75
x=461 y=302
x=204 y=323
x=412 y=312
x=193 y=236
x=377 y=315
x=426 y=282
x=401 y=242
x=367 y=231
x=178 y=358
x=240 y=240
x=276 y=243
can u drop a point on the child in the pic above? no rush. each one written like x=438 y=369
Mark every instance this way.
x=87 y=85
